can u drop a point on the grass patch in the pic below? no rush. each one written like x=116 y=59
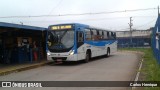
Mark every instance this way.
x=151 y=68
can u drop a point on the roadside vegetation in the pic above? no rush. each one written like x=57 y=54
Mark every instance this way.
x=151 y=68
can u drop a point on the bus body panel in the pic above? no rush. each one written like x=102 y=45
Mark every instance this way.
x=96 y=50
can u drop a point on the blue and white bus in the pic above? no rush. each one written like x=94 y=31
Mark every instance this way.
x=74 y=42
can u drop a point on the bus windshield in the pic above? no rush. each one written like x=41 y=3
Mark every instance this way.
x=60 y=40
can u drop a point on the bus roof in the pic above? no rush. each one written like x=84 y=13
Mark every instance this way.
x=11 y=25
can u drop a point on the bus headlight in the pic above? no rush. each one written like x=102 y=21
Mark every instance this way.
x=71 y=53
x=48 y=53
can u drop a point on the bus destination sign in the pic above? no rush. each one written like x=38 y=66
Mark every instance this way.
x=61 y=27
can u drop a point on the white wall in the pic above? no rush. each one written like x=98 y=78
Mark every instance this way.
x=135 y=33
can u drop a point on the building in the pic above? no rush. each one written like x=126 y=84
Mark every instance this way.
x=18 y=43
x=140 y=38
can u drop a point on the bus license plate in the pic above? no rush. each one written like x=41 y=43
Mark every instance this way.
x=59 y=60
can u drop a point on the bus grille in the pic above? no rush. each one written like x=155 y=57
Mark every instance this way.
x=63 y=58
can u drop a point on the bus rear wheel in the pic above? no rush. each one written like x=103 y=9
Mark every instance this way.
x=108 y=52
x=87 y=58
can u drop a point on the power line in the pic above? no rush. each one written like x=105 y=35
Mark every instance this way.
x=55 y=7
x=145 y=23
x=97 y=19
x=79 y=14
x=139 y=26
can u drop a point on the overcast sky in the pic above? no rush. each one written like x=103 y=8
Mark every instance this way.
x=114 y=21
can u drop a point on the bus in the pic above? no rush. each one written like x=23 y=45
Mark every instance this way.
x=74 y=42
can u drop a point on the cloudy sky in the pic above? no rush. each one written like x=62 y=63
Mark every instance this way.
x=142 y=19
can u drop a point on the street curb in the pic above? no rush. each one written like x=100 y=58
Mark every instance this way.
x=9 y=71
x=138 y=73
x=139 y=66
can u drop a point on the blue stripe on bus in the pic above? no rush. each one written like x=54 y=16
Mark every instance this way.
x=100 y=43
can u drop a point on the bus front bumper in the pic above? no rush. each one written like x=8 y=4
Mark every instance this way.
x=61 y=57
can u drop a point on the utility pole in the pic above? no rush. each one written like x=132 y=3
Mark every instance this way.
x=158 y=11
x=130 y=26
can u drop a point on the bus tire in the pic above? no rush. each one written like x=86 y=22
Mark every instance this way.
x=108 y=52
x=87 y=57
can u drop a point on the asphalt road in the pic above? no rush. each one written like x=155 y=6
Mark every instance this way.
x=121 y=66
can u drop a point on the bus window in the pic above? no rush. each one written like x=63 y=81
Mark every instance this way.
x=108 y=36
x=94 y=35
x=88 y=34
x=94 y=32
x=97 y=32
x=112 y=35
x=80 y=37
x=100 y=35
x=105 y=34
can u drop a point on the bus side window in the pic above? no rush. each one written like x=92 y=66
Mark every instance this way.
x=94 y=34
x=97 y=32
x=112 y=35
x=108 y=36
x=88 y=34
x=115 y=35
x=105 y=35
x=100 y=35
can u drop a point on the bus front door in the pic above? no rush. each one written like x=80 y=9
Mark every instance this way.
x=80 y=43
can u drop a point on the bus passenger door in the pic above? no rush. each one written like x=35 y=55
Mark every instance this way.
x=80 y=47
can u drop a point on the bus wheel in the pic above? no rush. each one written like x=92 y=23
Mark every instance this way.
x=87 y=57
x=108 y=52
